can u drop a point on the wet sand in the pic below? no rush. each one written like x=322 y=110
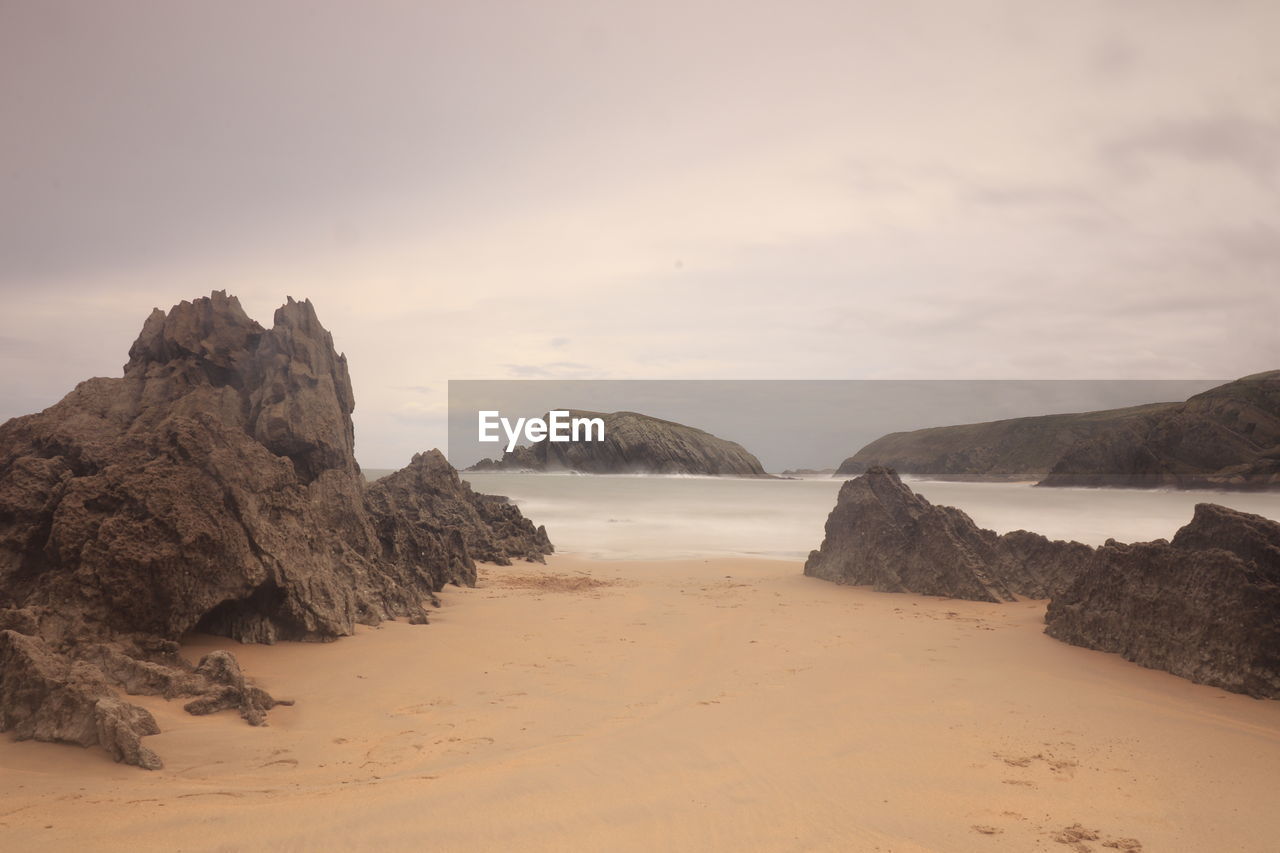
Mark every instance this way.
x=690 y=705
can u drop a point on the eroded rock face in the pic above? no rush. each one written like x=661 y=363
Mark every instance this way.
x=214 y=487
x=46 y=696
x=1205 y=606
x=884 y=535
x=634 y=444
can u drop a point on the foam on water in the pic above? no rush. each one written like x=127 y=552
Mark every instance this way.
x=627 y=517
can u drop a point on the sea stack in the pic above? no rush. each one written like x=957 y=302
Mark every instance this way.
x=884 y=535
x=213 y=487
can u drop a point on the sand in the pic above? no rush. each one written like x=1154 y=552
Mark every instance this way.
x=683 y=705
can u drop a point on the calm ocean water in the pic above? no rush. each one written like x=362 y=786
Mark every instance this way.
x=621 y=517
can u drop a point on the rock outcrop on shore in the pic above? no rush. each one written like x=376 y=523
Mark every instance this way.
x=634 y=444
x=213 y=487
x=1205 y=606
x=430 y=494
x=884 y=535
x=1226 y=438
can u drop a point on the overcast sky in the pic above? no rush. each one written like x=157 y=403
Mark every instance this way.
x=646 y=190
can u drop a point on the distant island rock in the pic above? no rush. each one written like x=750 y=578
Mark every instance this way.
x=882 y=534
x=808 y=472
x=1225 y=438
x=212 y=488
x=634 y=444
x=1205 y=606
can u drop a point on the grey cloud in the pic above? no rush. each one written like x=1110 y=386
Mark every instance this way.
x=1256 y=245
x=555 y=369
x=575 y=189
x=1114 y=59
x=1237 y=141
x=1030 y=196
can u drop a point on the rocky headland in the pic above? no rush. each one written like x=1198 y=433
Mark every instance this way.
x=1225 y=438
x=212 y=488
x=1012 y=449
x=634 y=444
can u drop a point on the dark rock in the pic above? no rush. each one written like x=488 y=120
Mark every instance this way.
x=1013 y=449
x=214 y=487
x=634 y=444
x=450 y=522
x=231 y=691
x=884 y=535
x=1205 y=606
x=1226 y=438
x=45 y=696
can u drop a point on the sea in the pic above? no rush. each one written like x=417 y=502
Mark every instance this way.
x=652 y=518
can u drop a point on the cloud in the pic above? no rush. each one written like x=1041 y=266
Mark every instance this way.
x=1239 y=142
x=1115 y=59
x=555 y=369
x=571 y=189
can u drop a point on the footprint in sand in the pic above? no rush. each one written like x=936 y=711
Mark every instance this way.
x=282 y=762
x=394 y=750
x=1076 y=835
x=423 y=707
x=1060 y=768
x=465 y=746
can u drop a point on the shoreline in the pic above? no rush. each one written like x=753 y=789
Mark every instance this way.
x=686 y=704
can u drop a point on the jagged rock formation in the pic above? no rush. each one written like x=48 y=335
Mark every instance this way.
x=1205 y=606
x=1226 y=438
x=1013 y=449
x=213 y=487
x=230 y=690
x=47 y=696
x=882 y=534
x=634 y=444
x=429 y=492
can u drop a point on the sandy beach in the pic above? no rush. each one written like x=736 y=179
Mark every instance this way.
x=728 y=704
